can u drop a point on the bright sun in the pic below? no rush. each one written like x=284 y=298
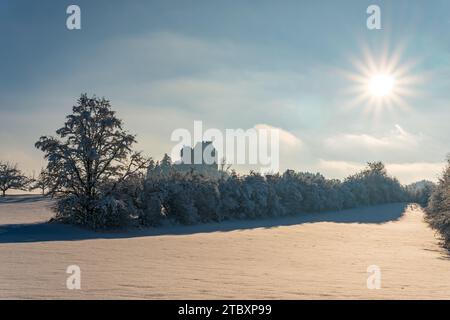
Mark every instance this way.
x=381 y=85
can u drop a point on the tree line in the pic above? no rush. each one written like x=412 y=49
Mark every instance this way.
x=100 y=182
x=168 y=196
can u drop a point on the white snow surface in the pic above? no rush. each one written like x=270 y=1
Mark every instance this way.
x=310 y=256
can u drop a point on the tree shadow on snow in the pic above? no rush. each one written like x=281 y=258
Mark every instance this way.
x=31 y=198
x=43 y=232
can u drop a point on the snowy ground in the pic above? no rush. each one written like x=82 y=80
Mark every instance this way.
x=309 y=257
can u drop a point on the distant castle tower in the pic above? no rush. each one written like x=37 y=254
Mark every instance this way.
x=203 y=153
x=202 y=159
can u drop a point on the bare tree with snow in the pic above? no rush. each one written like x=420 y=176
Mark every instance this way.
x=43 y=182
x=89 y=159
x=11 y=178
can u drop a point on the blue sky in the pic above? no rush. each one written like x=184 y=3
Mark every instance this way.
x=231 y=64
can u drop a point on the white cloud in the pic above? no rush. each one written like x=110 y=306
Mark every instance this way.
x=396 y=146
x=287 y=139
x=396 y=139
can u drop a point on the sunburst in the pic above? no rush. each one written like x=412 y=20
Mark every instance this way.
x=382 y=84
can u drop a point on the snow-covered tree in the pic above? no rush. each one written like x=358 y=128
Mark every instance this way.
x=206 y=196
x=438 y=210
x=373 y=186
x=12 y=178
x=440 y=198
x=420 y=192
x=89 y=159
x=231 y=196
x=179 y=204
x=152 y=200
x=43 y=182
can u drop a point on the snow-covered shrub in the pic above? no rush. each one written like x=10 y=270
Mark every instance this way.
x=103 y=213
x=373 y=186
x=231 y=196
x=438 y=210
x=206 y=197
x=275 y=208
x=151 y=213
x=179 y=204
x=110 y=212
x=152 y=199
x=288 y=190
x=191 y=197
x=420 y=192
x=254 y=200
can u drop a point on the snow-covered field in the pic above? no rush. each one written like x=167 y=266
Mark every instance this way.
x=308 y=257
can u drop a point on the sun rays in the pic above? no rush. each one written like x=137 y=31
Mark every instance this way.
x=382 y=83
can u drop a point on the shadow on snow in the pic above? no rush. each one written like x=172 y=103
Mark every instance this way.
x=21 y=199
x=42 y=232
